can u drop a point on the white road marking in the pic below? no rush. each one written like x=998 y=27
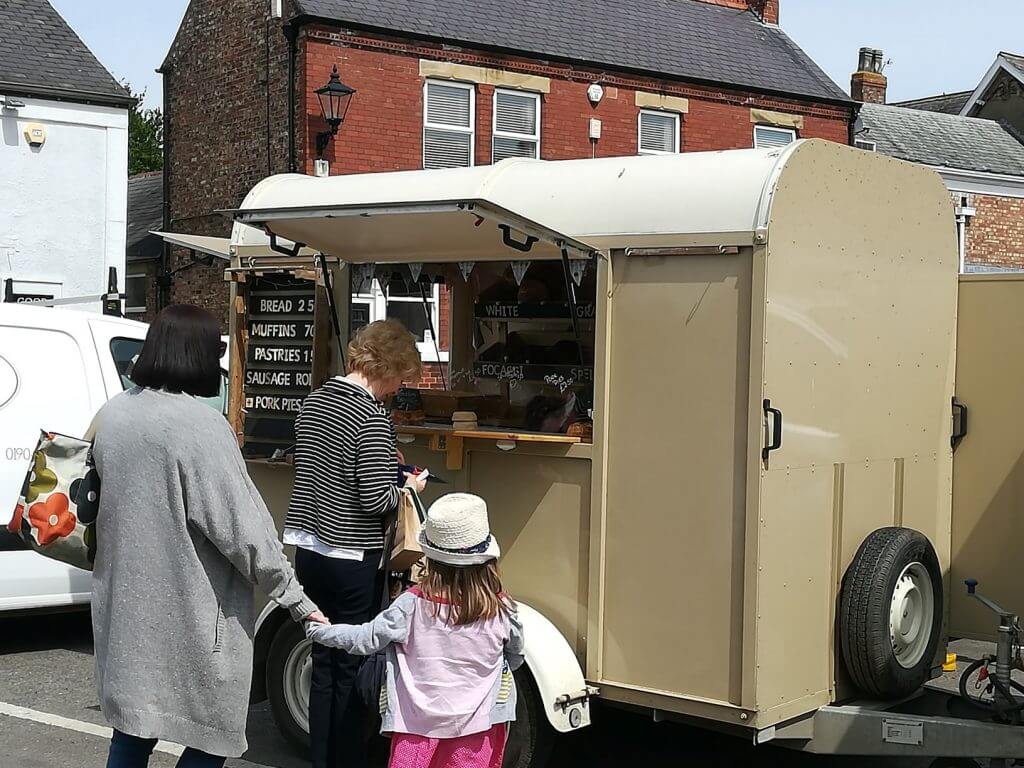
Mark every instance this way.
x=45 y=718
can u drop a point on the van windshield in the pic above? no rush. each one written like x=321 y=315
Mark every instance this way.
x=126 y=351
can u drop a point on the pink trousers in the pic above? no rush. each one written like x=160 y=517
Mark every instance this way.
x=481 y=750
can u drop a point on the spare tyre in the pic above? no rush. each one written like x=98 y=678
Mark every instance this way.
x=890 y=613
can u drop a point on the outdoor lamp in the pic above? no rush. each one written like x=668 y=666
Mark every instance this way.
x=334 y=100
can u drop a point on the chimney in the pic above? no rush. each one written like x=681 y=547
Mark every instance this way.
x=766 y=10
x=868 y=83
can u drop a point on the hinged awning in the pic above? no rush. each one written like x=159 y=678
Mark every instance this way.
x=219 y=247
x=441 y=231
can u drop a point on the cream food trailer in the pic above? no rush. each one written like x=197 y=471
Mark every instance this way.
x=714 y=431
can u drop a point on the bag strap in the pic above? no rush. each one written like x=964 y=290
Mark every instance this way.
x=389 y=542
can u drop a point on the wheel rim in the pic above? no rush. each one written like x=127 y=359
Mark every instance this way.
x=298 y=672
x=911 y=615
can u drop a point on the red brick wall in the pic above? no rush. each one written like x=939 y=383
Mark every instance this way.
x=225 y=74
x=383 y=129
x=995 y=235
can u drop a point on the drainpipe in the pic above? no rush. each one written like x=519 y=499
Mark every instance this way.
x=964 y=213
x=291 y=33
x=163 y=293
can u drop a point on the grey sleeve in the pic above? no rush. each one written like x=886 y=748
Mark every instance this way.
x=390 y=626
x=223 y=504
x=516 y=642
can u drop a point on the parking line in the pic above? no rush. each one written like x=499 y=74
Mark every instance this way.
x=45 y=718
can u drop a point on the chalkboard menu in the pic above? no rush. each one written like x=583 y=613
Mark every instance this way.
x=278 y=370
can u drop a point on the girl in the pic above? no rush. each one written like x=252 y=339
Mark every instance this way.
x=452 y=644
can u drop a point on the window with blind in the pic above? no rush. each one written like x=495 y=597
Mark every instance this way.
x=658 y=133
x=516 y=125
x=447 y=125
x=767 y=137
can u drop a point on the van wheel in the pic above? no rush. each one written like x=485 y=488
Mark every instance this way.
x=289 y=671
x=530 y=737
x=891 y=613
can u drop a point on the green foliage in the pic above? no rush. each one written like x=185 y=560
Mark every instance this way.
x=145 y=137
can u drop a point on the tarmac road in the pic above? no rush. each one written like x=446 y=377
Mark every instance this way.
x=46 y=668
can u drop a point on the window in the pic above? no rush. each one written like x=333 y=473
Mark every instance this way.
x=126 y=351
x=658 y=132
x=447 y=125
x=405 y=304
x=768 y=137
x=869 y=146
x=135 y=285
x=516 y=125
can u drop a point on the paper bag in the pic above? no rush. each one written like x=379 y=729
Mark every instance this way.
x=406 y=551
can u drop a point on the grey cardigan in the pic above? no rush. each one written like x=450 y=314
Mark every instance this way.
x=183 y=536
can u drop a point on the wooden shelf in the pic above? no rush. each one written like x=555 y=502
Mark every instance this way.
x=486 y=433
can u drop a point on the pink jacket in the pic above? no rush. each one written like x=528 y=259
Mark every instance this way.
x=443 y=681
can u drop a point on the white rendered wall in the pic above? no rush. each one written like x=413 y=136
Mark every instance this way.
x=63 y=206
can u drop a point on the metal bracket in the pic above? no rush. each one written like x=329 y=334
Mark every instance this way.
x=566 y=700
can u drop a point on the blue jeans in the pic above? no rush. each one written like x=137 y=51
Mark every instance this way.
x=132 y=752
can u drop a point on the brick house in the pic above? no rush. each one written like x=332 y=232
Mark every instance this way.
x=461 y=83
x=972 y=143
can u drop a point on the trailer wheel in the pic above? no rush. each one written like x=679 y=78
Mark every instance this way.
x=891 y=613
x=289 y=665
x=530 y=737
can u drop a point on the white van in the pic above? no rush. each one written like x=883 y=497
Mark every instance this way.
x=57 y=367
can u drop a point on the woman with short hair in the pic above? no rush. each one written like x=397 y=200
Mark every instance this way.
x=346 y=473
x=183 y=536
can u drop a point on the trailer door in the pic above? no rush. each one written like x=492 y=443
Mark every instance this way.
x=988 y=464
x=676 y=441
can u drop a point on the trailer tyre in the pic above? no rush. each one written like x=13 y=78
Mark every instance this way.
x=288 y=680
x=891 y=613
x=530 y=737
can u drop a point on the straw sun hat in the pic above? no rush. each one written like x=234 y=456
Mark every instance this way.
x=456 y=531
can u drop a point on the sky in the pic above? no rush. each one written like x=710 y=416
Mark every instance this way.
x=935 y=46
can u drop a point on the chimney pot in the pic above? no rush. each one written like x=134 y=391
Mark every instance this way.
x=868 y=84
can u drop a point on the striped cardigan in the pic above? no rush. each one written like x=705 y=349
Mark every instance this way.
x=346 y=467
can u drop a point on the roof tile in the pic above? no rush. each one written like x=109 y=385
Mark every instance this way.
x=949 y=141
x=678 y=38
x=38 y=48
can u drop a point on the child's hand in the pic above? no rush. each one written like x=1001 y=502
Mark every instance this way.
x=314 y=628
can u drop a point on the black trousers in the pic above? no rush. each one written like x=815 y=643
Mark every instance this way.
x=348 y=592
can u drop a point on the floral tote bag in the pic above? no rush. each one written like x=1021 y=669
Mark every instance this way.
x=56 y=513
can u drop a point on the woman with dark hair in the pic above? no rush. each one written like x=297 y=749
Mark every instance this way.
x=183 y=535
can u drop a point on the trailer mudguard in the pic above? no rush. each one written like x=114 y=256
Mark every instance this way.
x=563 y=690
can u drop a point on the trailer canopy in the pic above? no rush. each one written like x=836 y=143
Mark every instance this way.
x=519 y=209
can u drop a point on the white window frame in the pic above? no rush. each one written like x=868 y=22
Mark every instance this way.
x=661 y=113
x=378 y=301
x=790 y=131
x=517 y=136
x=471 y=130
x=867 y=146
